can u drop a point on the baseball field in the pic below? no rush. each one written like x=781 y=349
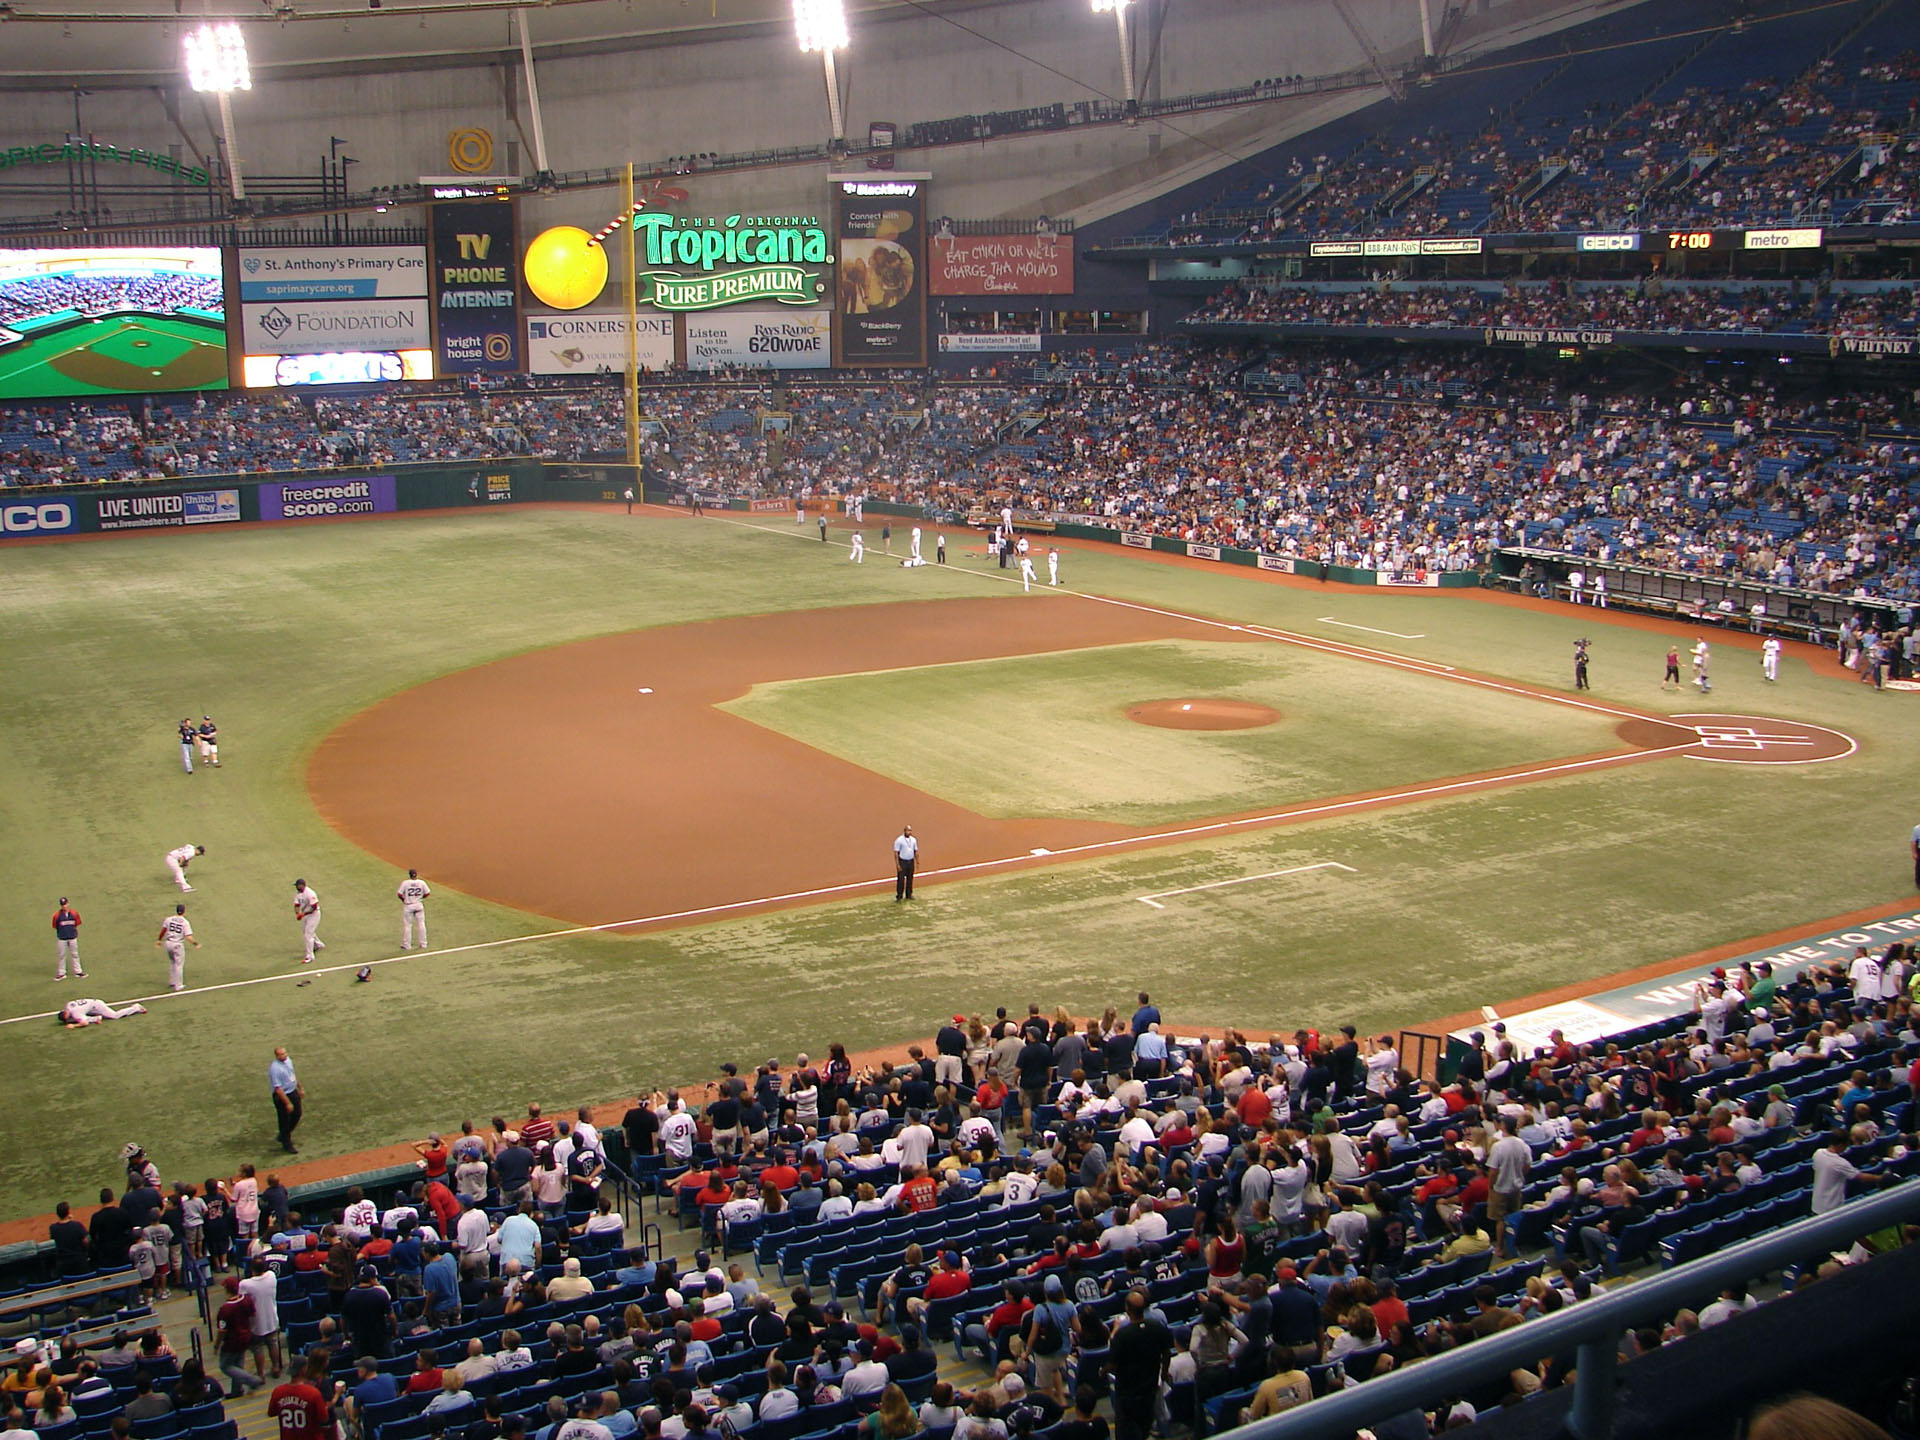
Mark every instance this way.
x=653 y=767
x=119 y=355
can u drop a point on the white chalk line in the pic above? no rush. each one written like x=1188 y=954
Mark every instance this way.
x=1349 y=625
x=1212 y=827
x=1159 y=895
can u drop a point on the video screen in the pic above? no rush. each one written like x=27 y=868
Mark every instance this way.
x=111 y=322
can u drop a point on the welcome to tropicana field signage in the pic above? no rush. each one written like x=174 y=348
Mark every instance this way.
x=735 y=260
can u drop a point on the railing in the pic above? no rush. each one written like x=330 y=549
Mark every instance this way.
x=1593 y=1329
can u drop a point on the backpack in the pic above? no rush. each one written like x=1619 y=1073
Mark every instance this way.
x=1049 y=1334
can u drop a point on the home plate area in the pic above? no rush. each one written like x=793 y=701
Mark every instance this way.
x=1760 y=740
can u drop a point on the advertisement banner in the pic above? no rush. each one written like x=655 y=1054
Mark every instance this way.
x=343 y=272
x=760 y=339
x=306 y=500
x=1420 y=579
x=153 y=512
x=43 y=517
x=1135 y=540
x=709 y=262
x=1203 y=552
x=992 y=342
x=476 y=287
x=562 y=343
x=1000 y=265
x=324 y=327
x=880 y=307
x=1280 y=564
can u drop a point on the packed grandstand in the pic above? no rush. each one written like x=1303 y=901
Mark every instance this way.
x=1032 y=1222
x=1378 y=461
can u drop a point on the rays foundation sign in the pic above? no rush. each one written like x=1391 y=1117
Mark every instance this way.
x=705 y=264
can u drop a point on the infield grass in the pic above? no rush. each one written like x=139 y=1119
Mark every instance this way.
x=283 y=632
x=1049 y=734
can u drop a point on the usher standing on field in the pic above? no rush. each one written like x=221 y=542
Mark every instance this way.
x=906 y=854
x=288 y=1097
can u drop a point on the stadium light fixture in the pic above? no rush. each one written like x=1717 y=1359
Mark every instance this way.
x=1118 y=9
x=822 y=25
x=217 y=59
x=217 y=64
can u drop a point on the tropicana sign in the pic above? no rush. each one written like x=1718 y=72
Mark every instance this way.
x=773 y=253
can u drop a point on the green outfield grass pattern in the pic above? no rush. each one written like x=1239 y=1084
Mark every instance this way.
x=283 y=632
x=116 y=355
x=961 y=731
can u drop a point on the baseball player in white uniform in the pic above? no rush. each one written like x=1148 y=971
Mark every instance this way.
x=914 y=552
x=175 y=935
x=859 y=549
x=1053 y=566
x=413 y=893
x=1702 y=660
x=77 y=1013
x=178 y=860
x=1770 y=657
x=306 y=909
x=1026 y=572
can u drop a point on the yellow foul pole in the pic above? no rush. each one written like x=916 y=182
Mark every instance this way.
x=628 y=271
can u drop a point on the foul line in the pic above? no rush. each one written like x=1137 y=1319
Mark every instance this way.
x=1348 y=625
x=1159 y=895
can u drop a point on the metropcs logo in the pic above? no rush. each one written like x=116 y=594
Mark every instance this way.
x=774 y=249
x=53 y=518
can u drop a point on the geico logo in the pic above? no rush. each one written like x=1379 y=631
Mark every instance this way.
x=25 y=519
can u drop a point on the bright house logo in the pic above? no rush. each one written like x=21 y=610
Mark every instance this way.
x=771 y=254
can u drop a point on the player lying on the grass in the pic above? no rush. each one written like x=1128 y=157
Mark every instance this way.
x=78 y=1014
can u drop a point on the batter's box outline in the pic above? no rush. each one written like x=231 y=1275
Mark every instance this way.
x=1763 y=740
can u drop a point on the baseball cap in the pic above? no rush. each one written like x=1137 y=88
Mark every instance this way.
x=1054 y=1286
x=959 y=1019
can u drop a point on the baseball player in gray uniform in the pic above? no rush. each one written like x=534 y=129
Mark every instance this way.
x=178 y=860
x=306 y=909
x=175 y=935
x=413 y=893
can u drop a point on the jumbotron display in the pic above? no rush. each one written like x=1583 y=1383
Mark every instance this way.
x=111 y=322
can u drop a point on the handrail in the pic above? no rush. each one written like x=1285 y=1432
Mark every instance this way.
x=1593 y=1328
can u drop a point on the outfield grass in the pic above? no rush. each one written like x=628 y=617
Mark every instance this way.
x=284 y=632
x=1048 y=735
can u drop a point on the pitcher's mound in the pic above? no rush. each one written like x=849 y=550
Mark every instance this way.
x=1203 y=714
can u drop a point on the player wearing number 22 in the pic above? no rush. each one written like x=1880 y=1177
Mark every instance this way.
x=413 y=893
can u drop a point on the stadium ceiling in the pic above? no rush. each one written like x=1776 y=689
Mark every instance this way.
x=138 y=41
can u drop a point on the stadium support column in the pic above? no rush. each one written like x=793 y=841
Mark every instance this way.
x=233 y=150
x=1426 y=29
x=629 y=278
x=541 y=168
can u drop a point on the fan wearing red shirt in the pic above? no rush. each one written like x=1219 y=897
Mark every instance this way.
x=949 y=1279
x=433 y=1155
x=536 y=1129
x=300 y=1407
x=426 y=1376
x=781 y=1175
x=1389 y=1309
x=1255 y=1107
x=919 y=1192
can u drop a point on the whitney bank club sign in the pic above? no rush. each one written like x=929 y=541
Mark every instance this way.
x=702 y=264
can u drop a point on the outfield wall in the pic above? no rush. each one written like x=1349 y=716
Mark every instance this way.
x=300 y=495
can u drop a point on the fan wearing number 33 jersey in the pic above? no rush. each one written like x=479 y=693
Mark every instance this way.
x=413 y=893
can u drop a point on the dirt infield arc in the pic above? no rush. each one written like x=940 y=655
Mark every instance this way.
x=596 y=782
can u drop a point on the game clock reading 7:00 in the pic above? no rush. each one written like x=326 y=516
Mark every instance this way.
x=1700 y=239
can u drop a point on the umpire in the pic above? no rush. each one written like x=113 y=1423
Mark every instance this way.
x=906 y=852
